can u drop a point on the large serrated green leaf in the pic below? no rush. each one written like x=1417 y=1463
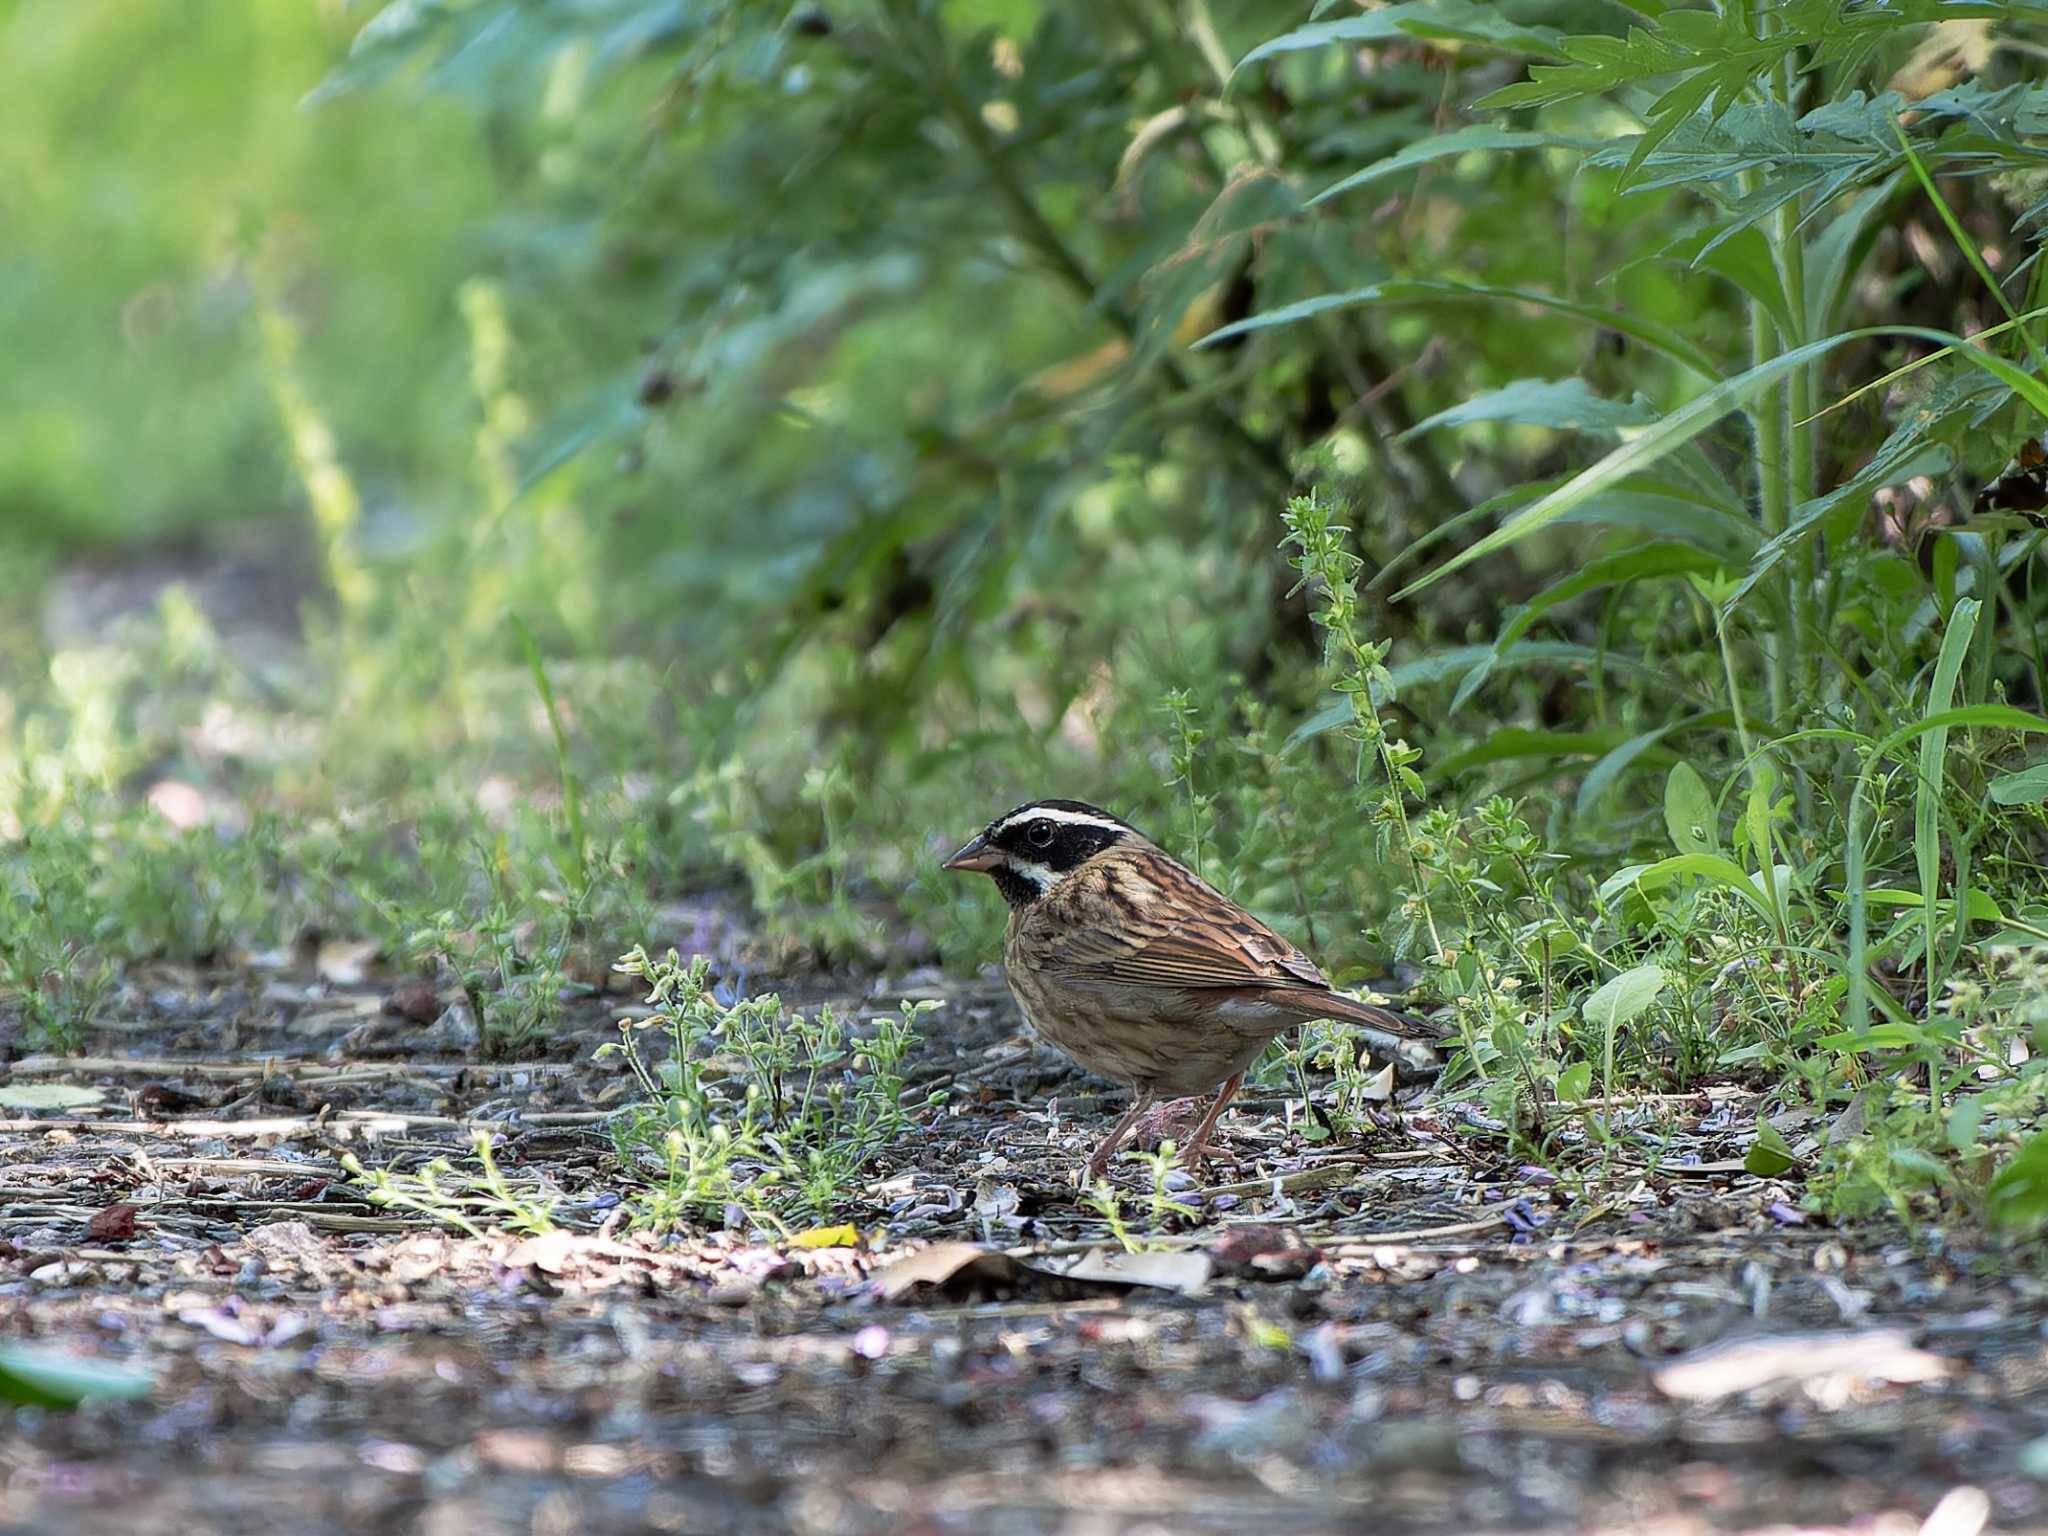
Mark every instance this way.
x=1471 y=139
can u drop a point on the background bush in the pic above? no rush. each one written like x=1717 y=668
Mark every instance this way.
x=880 y=413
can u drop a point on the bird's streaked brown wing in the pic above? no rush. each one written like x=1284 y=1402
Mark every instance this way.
x=1160 y=926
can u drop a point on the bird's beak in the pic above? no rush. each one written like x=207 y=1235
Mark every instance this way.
x=976 y=855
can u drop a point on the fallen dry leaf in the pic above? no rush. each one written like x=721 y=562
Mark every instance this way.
x=115 y=1224
x=949 y=1267
x=1742 y=1365
x=1185 y=1270
x=549 y=1252
x=843 y=1236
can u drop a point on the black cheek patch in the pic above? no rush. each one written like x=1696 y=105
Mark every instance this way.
x=1015 y=889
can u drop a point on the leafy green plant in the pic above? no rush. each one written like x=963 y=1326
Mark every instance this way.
x=46 y=1378
x=1162 y=1213
x=808 y=895
x=56 y=967
x=754 y=1106
x=1357 y=669
x=1355 y=1084
x=1657 y=613
x=1180 y=711
x=472 y=1202
x=511 y=959
x=1107 y=1202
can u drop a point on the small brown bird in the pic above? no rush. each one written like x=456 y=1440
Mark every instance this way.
x=1132 y=964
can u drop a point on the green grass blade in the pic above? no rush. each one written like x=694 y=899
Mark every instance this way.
x=1693 y=418
x=1644 y=562
x=1714 y=868
x=1885 y=380
x=1967 y=246
x=572 y=792
x=1415 y=290
x=1955 y=646
x=1473 y=138
x=1855 y=859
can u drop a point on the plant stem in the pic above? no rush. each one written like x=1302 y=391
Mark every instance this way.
x=1734 y=687
x=1778 y=477
x=1804 y=468
x=1767 y=427
x=572 y=791
x=1359 y=665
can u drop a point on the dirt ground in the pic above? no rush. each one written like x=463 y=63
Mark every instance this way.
x=1397 y=1335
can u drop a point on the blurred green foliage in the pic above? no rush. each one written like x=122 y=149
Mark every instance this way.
x=720 y=441
x=156 y=176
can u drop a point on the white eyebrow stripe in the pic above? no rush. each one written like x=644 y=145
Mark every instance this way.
x=1065 y=818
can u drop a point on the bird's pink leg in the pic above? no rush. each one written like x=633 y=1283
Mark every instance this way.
x=1098 y=1162
x=1198 y=1144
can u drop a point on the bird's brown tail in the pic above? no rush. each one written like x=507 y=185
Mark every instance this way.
x=1404 y=1038
x=1389 y=1021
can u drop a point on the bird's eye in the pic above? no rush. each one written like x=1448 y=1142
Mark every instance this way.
x=1040 y=833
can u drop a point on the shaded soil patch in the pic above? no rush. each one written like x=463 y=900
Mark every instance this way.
x=1390 y=1335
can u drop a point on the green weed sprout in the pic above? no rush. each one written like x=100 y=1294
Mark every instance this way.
x=752 y=1105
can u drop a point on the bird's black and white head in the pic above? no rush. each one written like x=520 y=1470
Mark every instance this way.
x=1030 y=850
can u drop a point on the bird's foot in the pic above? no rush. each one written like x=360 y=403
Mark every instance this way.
x=1195 y=1158
x=1172 y=1121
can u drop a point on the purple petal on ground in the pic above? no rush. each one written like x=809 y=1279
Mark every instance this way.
x=1524 y=1218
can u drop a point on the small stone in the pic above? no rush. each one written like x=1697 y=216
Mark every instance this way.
x=416 y=1002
